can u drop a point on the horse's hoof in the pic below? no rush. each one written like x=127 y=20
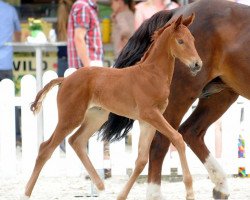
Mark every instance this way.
x=219 y=195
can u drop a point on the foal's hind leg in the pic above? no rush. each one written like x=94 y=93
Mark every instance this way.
x=93 y=120
x=146 y=136
x=156 y=119
x=66 y=124
x=45 y=151
x=194 y=130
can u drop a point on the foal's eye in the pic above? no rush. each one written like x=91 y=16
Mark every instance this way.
x=180 y=41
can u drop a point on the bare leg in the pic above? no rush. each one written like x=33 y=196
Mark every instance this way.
x=156 y=119
x=146 y=136
x=194 y=130
x=94 y=118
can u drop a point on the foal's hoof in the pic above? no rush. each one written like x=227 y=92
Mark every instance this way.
x=219 y=195
x=188 y=198
x=121 y=197
x=100 y=186
x=24 y=197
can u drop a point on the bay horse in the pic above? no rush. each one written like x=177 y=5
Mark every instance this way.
x=138 y=92
x=222 y=34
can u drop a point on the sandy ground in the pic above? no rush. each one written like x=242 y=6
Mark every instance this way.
x=78 y=188
x=74 y=188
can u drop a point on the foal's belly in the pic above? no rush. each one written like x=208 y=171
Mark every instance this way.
x=119 y=109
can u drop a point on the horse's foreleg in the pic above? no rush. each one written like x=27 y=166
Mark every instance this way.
x=94 y=118
x=194 y=130
x=146 y=136
x=158 y=150
x=156 y=119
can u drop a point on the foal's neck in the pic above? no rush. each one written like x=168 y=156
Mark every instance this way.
x=159 y=55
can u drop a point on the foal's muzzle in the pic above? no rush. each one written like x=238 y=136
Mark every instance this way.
x=195 y=67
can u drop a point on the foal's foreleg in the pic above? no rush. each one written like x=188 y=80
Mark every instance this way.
x=156 y=119
x=94 y=118
x=146 y=136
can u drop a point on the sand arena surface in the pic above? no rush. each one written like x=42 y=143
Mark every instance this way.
x=77 y=188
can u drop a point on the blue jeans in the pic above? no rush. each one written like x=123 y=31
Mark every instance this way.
x=6 y=74
x=62 y=66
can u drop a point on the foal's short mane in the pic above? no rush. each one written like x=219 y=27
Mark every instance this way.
x=154 y=38
x=158 y=32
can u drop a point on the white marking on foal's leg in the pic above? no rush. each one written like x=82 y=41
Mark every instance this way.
x=216 y=174
x=154 y=192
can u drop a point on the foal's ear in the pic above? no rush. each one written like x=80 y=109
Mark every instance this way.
x=189 y=20
x=178 y=22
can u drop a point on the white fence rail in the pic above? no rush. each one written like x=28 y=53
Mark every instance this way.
x=122 y=157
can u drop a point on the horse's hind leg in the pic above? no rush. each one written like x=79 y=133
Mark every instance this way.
x=147 y=133
x=194 y=130
x=93 y=120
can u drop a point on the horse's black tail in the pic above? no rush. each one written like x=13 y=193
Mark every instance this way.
x=117 y=127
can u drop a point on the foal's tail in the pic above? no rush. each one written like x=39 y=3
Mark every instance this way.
x=36 y=105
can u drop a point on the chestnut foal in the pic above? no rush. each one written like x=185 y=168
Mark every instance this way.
x=138 y=92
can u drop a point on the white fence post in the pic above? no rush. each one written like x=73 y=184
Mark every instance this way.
x=29 y=124
x=118 y=158
x=230 y=134
x=135 y=132
x=247 y=134
x=7 y=128
x=73 y=163
x=95 y=151
x=50 y=119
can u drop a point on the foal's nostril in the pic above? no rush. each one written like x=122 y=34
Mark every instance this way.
x=197 y=66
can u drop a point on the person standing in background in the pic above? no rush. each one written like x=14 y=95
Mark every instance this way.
x=146 y=9
x=122 y=23
x=84 y=35
x=84 y=42
x=9 y=27
x=63 y=11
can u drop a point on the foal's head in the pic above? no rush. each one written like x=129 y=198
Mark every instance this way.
x=182 y=44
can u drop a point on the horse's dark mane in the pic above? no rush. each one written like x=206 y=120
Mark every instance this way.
x=117 y=127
